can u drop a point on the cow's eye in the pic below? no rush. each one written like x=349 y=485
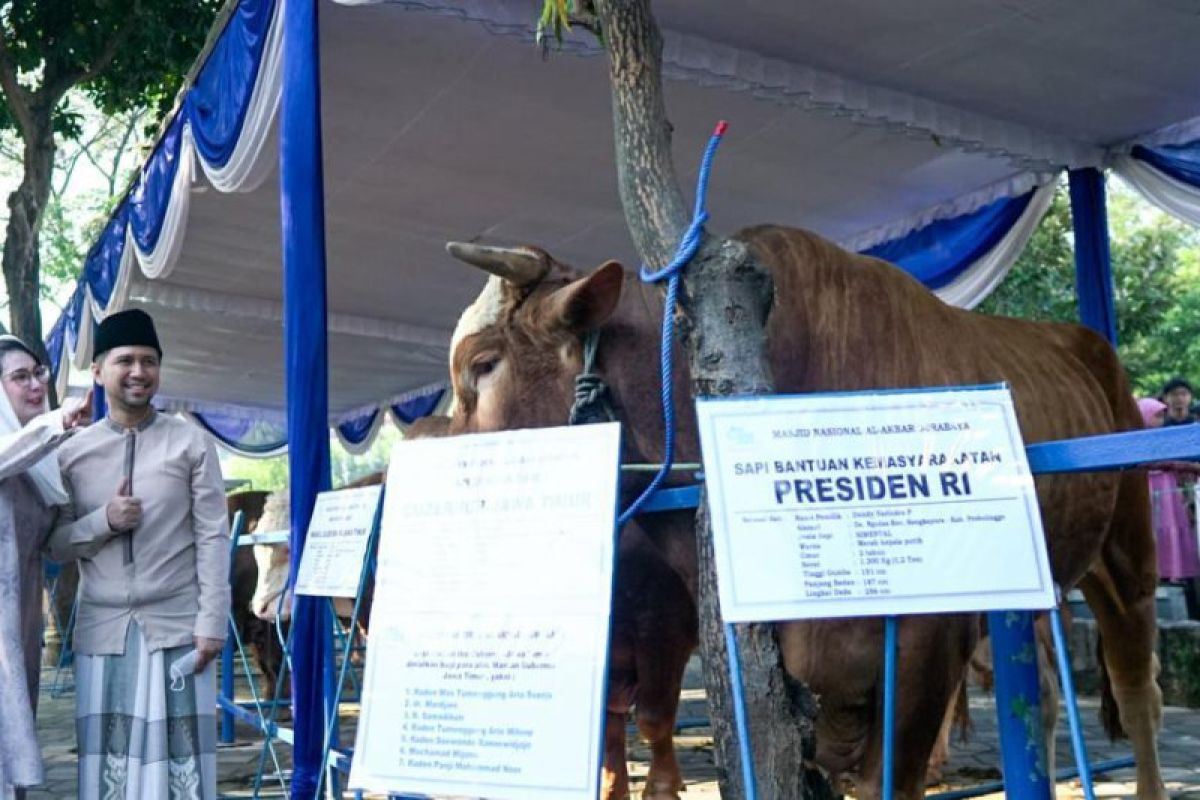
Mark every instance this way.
x=484 y=365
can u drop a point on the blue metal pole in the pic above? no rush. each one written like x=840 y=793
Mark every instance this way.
x=1097 y=310
x=1018 y=708
x=1068 y=690
x=890 y=646
x=739 y=713
x=227 y=685
x=1093 y=262
x=302 y=196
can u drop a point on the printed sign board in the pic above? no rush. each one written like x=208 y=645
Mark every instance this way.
x=486 y=671
x=872 y=504
x=336 y=545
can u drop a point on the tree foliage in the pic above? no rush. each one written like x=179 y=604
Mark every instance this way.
x=122 y=55
x=1156 y=267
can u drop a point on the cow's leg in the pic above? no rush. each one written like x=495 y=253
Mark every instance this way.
x=932 y=660
x=1048 y=684
x=1128 y=634
x=614 y=778
x=934 y=772
x=660 y=678
x=622 y=683
x=1120 y=591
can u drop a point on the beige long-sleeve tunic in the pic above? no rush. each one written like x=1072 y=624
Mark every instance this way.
x=177 y=584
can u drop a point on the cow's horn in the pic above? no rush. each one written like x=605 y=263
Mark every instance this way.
x=518 y=265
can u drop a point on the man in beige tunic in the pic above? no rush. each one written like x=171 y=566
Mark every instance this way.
x=147 y=522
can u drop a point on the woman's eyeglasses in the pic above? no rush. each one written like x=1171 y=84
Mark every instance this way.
x=27 y=377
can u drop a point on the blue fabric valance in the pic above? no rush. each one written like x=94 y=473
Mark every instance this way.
x=358 y=430
x=244 y=436
x=1181 y=162
x=411 y=410
x=217 y=101
x=147 y=202
x=102 y=269
x=942 y=251
x=357 y=433
x=1166 y=175
x=240 y=431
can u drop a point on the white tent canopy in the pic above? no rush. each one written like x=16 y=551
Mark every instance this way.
x=859 y=119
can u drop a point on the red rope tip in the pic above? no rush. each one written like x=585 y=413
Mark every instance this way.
x=721 y=127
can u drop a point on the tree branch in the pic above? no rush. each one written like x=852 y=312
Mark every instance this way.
x=654 y=208
x=18 y=98
x=83 y=149
x=588 y=21
x=121 y=148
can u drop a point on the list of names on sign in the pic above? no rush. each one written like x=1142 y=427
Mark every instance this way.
x=485 y=675
x=860 y=504
x=335 y=548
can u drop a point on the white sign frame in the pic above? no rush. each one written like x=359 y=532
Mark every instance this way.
x=834 y=542
x=335 y=547
x=477 y=683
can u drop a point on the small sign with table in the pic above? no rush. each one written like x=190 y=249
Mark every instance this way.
x=336 y=545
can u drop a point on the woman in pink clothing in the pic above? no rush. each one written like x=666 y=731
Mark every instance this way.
x=1177 y=556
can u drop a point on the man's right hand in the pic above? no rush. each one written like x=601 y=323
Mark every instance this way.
x=124 y=512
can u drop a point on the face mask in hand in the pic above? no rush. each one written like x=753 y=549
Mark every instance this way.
x=182 y=668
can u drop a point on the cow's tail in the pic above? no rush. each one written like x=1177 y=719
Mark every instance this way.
x=962 y=713
x=1110 y=715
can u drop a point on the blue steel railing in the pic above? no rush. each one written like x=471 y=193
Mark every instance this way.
x=1011 y=632
x=1107 y=452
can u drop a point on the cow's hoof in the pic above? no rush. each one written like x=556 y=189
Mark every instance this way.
x=614 y=789
x=661 y=793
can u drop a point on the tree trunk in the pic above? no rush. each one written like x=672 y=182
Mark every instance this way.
x=724 y=303
x=22 y=264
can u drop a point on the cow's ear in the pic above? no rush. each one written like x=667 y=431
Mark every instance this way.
x=587 y=303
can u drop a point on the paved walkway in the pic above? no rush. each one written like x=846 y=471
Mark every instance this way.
x=971 y=763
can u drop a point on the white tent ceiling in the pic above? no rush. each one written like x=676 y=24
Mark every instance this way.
x=856 y=118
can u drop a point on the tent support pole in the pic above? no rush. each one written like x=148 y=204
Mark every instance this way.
x=305 y=313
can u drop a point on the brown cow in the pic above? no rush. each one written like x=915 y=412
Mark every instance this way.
x=257 y=635
x=844 y=322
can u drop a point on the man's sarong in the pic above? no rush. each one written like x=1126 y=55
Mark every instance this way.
x=140 y=738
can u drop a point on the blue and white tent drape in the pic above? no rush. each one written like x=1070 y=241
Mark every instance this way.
x=241 y=435
x=223 y=122
x=961 y=249
x=1165 y=169
x=357 y=432
x=255 y=434
x=963 y=258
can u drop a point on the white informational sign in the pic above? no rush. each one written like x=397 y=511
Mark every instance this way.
x=872 y=504
x=336 y=545
x=486 y=671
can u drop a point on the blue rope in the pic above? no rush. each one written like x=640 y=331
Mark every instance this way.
x=687 y=249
